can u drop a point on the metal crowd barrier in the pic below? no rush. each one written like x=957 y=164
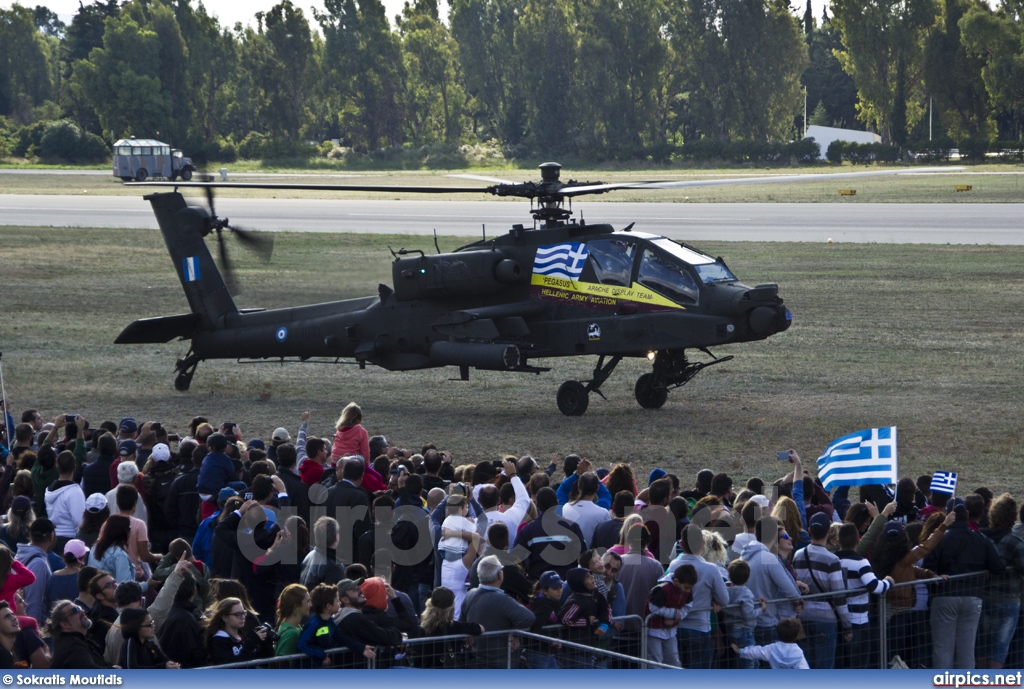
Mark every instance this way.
x=409 y=653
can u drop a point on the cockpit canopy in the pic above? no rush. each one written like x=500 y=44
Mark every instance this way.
x=657 y=263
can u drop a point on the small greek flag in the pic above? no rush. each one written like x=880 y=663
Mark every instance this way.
x=191 y=268
x=944 y=482
x=561 y=260
x=863 y=458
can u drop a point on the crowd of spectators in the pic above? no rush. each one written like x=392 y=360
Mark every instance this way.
x=125 y=545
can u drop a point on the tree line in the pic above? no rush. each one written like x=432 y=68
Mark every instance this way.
x=600 y=79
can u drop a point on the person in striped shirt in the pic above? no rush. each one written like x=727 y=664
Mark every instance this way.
x=861 y=578
x=822 y=572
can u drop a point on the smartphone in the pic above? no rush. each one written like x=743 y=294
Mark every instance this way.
x=248 y=496
x=70 y=418
x=173 y=437
x=782 y=456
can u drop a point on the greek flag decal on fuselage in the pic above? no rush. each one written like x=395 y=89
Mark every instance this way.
x=191 y=268
x=561 y=260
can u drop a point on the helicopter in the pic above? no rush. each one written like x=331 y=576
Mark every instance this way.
x=558 y=288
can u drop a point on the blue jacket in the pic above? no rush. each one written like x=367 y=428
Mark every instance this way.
x=216 y=472
x=604 y=496
x=203 y=541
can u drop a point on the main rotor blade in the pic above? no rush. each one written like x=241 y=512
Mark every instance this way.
x=317 y=187
x=769 y=179
x=482 y=178
x=601 y=188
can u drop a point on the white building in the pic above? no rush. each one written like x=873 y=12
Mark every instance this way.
x=826 y=135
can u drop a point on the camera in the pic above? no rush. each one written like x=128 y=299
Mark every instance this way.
x=70 y=418
x=272 y=636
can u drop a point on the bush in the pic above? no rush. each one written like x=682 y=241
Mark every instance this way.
x=973 y=148
x=92 y=149
x=934 y=150
x=253 y=146
x=836 y=152
x=805 y=151
x=28 y=138
x=63 y=141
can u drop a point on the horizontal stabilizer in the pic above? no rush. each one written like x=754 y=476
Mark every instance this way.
x=163 y=329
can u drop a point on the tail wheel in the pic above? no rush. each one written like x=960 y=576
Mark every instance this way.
x=141 y=174
x=648 y=394
x=572 y=398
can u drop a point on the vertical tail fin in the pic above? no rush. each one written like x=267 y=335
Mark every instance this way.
x=184 y=229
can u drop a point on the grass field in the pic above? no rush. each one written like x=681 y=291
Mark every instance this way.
x=927 y=338
x=990 y=184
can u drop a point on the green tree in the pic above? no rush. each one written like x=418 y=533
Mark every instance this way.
x=741 y=62
x=435 y=94
x=621 y=75
x=121 y=83
x=546 y=43
x=364 y=57
x=998 y=40
x=25 y=77
x=877 y=36
x=826 y=82
x=485 y=33
x=954 y=78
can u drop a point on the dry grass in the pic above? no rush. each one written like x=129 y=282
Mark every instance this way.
x=991 y=184
x=927 y=338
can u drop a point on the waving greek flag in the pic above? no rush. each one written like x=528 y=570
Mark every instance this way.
x=561 y=260
x=860 y=459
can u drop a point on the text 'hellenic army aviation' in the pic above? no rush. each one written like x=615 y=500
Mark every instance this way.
x=558 y=288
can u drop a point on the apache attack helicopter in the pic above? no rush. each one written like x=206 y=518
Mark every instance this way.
x=557 y=289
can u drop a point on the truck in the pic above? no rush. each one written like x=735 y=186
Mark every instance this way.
x=140 y=159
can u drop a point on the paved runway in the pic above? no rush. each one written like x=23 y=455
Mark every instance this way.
x=882 y=223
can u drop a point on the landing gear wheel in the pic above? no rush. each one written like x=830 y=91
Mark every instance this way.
x=141 y=175
x=572 y=398
x=182 y=381
x=647 y=394
x=186 y=174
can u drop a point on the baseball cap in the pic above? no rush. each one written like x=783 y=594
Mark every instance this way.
x=346 y=585
x=257 y=443
x=953 y=503
x=655 y=475
x=893 y=529
x=760 y=500
x=550 y=580
x=96 y=502
x=819 y=524
x=126 y=472
x=442 y=597
x=128 y=424
x=77 y=548
x=282 y=435
x=21 y=505
x=41 y=528
x=127 y=448
x=226 y=493
x=160 y=453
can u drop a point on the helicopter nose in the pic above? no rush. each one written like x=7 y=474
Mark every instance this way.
x=768 y=320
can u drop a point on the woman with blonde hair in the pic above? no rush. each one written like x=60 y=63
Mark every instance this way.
x=351 y=438
x=786 y=512
x=438 y=619
x=623 y=545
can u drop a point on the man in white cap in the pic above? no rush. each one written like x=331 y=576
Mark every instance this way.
x=127 y=472
x=157 y=483
x=280 y=437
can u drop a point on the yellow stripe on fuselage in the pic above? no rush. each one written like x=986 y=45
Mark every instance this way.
x=636 y=292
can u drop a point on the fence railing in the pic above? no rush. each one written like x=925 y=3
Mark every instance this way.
x=457 y=651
